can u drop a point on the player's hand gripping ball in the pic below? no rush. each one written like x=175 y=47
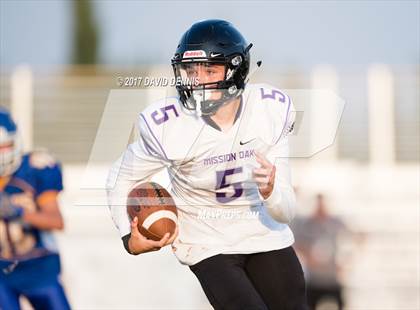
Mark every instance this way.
x=153 y=216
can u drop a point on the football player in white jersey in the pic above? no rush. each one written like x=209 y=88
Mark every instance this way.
x=225 y=145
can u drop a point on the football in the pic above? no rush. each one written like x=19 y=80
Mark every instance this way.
x=155 y=209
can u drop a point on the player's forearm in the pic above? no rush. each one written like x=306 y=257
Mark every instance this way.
x=132 y=167
x=118 y=185
x=44 y=220
x=281 y=204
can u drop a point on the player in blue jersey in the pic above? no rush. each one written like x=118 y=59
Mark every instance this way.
x=29 y=212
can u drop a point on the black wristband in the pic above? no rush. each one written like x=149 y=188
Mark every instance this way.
x=125 y=242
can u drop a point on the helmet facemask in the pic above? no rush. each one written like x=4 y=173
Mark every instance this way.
x=204 y=84
x=10 y=152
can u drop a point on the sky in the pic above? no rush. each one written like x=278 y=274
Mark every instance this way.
x=283 y=32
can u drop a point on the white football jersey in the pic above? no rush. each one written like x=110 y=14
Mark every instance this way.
x=219 y=206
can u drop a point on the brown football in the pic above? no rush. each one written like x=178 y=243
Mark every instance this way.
x=154 y=208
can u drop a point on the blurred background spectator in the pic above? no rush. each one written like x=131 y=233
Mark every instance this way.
x=317 y=240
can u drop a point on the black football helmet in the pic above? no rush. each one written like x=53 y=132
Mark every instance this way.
x=211 y=42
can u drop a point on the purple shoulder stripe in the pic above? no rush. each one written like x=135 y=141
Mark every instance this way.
x=153 y=135
x=287 y=118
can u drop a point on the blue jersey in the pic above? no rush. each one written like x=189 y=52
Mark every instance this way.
x=38 y=175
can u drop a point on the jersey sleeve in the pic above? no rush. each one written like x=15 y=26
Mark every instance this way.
x=48 y=173
x=139 y=162
x=283 y=114
x=289 y=122
x=281 y=204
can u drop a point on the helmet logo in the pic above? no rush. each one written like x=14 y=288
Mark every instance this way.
x=215 y=54
x=192 y=54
